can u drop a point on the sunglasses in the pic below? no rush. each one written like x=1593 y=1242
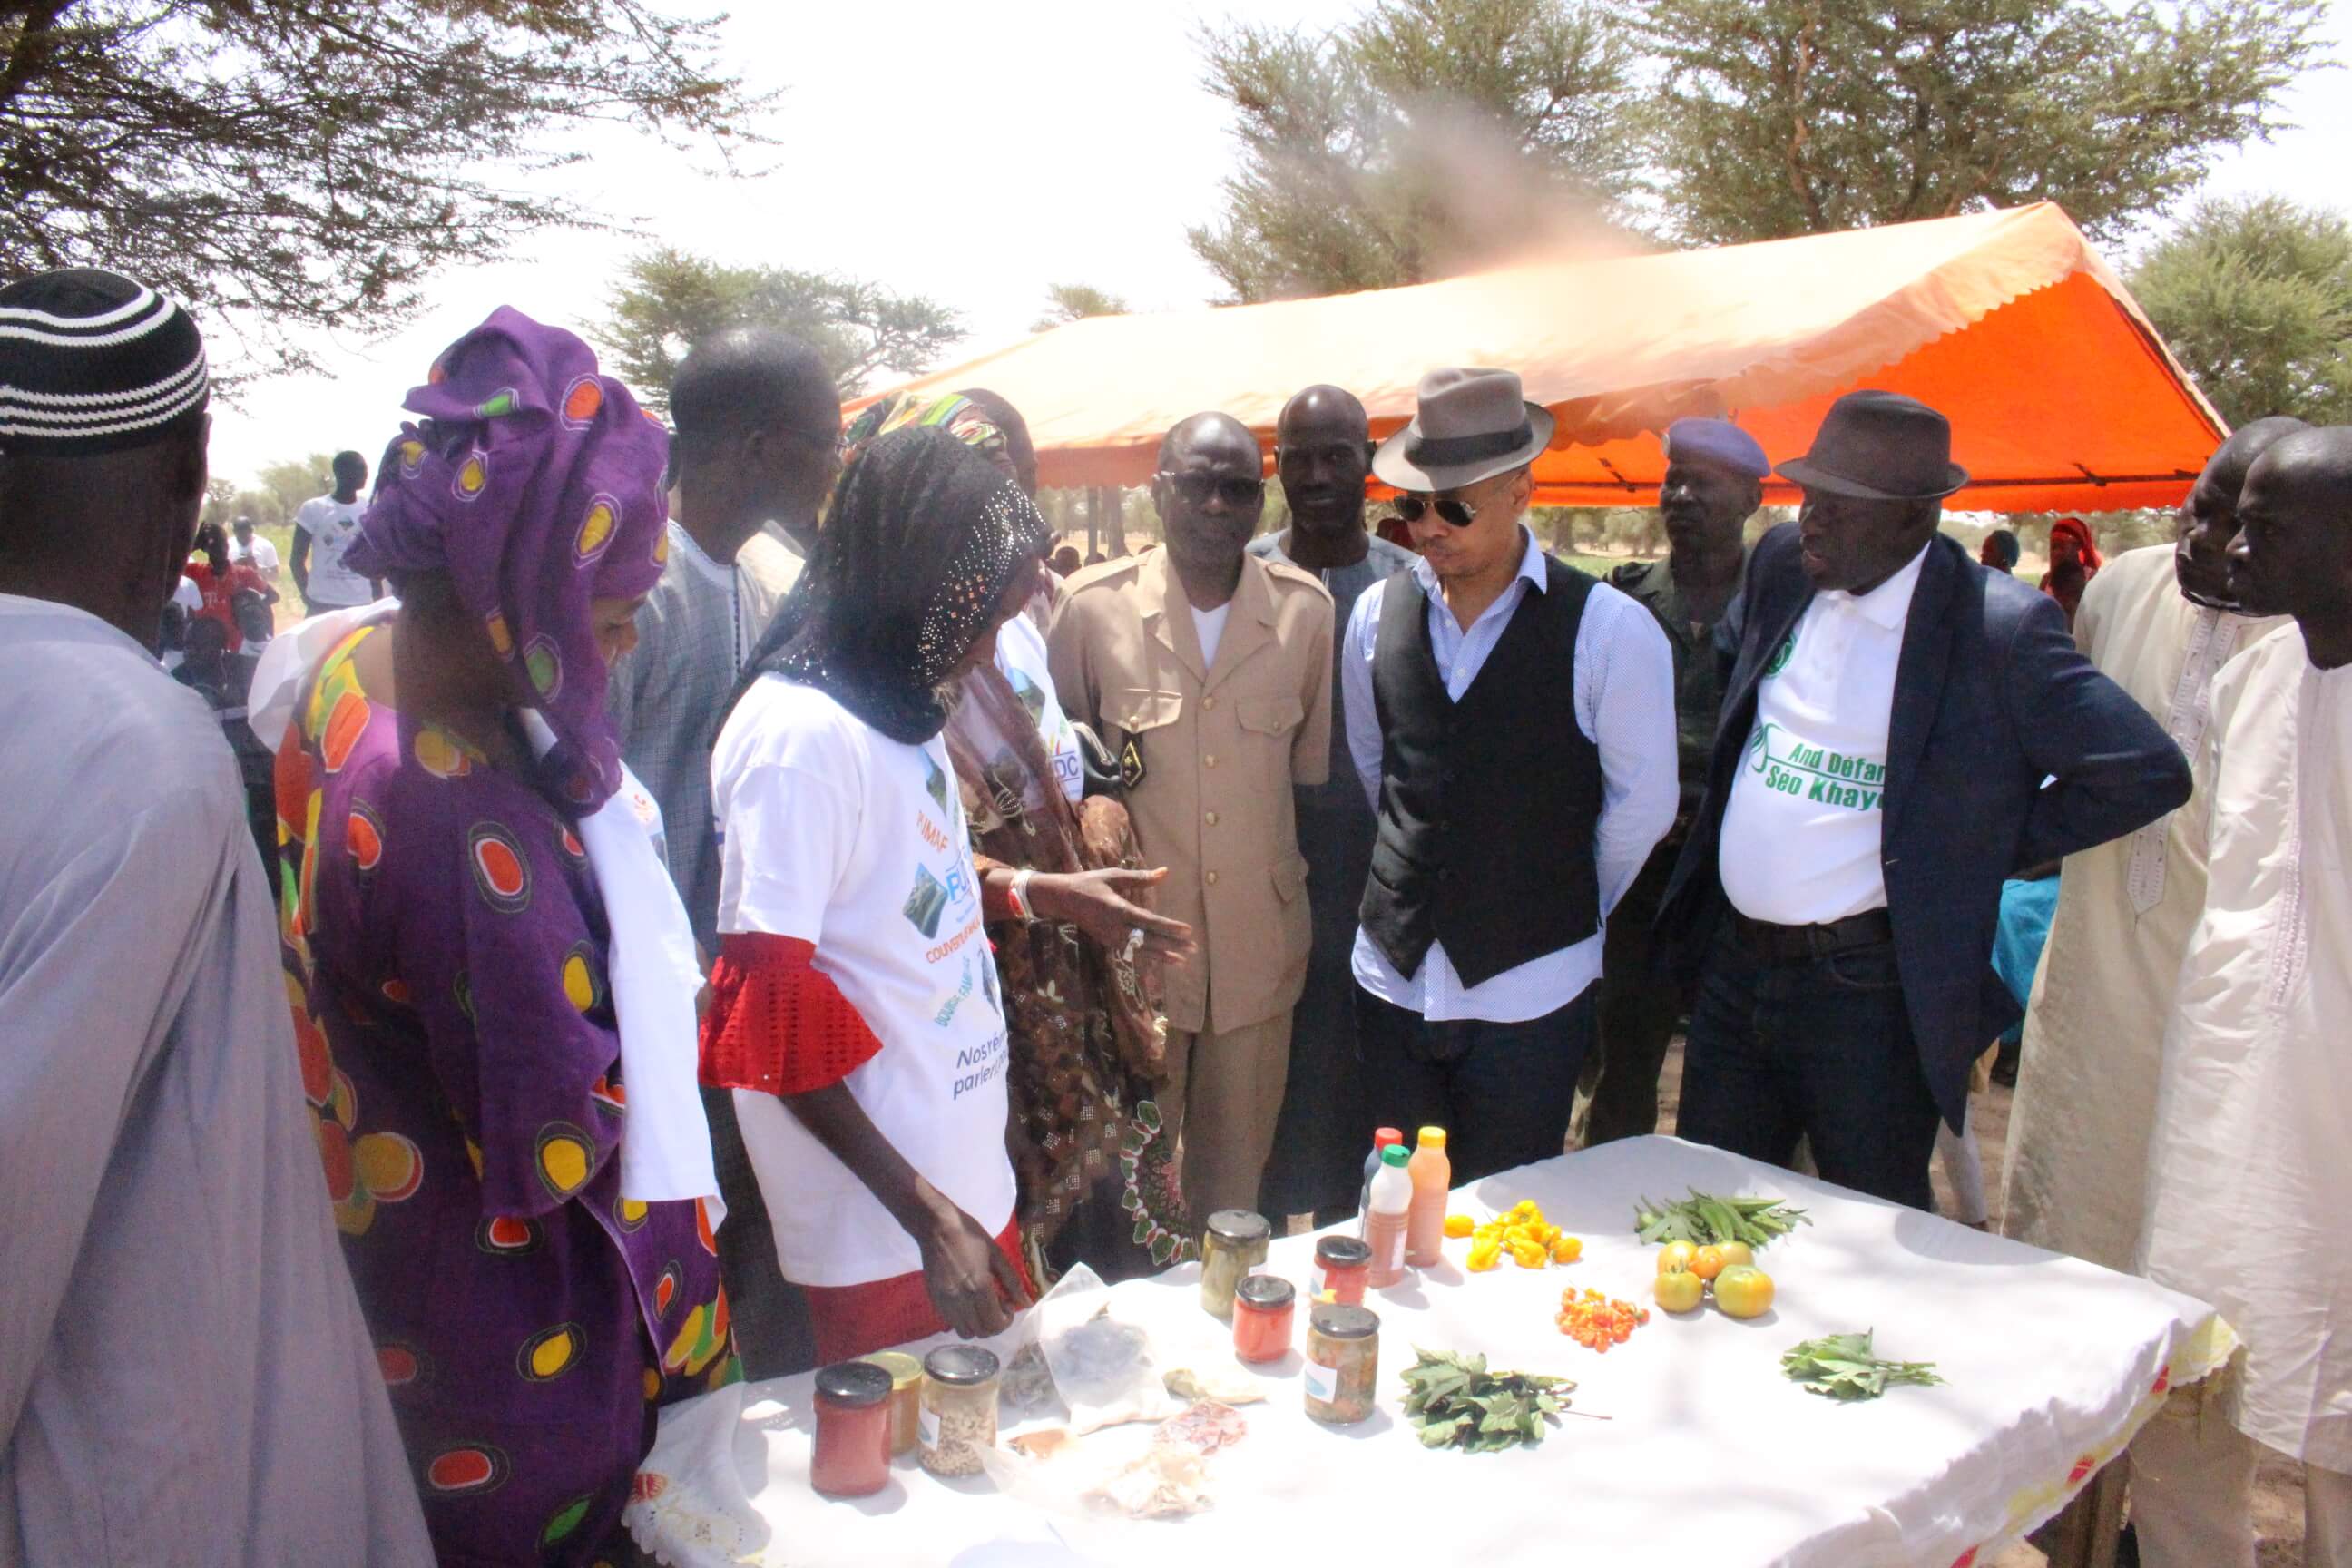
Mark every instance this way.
x=1235 y=490
x=1413 y=508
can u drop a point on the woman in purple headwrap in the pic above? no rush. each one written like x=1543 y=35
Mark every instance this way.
x=448 y=953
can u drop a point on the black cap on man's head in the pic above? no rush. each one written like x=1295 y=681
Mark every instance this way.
x=92 y=361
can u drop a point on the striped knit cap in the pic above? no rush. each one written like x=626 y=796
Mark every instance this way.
x=92 y=361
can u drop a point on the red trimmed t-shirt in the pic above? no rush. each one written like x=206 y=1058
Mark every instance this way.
x=833 y=834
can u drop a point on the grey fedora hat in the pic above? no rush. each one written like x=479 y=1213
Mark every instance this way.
x=1471 y=424
x=1880 y=445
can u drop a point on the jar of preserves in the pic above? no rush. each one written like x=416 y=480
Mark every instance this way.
x=1264 y=1310
x=1235 y=1243
x=959 y=1411
x=1343 y=1363
x=905 y=1397
x=852 y=1430
x=1343 y=1267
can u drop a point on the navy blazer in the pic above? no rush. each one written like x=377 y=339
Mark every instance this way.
x=1991 y=697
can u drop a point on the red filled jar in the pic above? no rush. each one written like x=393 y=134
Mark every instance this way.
x=852 y=1430
x=1264 y=1309
x=1343 y=1267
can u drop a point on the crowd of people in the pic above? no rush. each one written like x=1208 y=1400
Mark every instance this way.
x=743 y=899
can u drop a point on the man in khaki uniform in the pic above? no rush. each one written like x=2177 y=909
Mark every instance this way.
x=1208 y=674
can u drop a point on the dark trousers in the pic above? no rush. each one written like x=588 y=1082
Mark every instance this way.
x=1502 y=1091
x=1639 y=1008
x=1819 y=1048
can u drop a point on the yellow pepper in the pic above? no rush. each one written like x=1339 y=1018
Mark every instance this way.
x=1485 y=1254
x=1567 y=1249
x=1458 y=1226
x=1528 y=1254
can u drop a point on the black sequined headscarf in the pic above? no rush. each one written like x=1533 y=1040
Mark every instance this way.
x=924 y=538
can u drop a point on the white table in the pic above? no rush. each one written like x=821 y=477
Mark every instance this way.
x=2051 y=1364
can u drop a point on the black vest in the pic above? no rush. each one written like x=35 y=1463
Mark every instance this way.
x=1488 y=806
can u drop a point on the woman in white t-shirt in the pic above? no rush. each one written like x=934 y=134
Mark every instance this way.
x=855 y=1010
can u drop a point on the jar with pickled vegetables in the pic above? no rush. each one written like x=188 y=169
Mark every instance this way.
x=958 y=1412
x=1236 y=1243
x=1343 y=1363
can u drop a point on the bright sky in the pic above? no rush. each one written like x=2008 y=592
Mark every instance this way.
x=972 y=156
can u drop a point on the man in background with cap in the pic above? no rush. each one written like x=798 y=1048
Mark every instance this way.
x=1512 y=720
x=1207 y=671
x=185 y=1374
x=1888 y=727
x=1713 y=484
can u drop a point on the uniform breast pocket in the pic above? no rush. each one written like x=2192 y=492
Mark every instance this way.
x=1138 y=711
x=1270 y=718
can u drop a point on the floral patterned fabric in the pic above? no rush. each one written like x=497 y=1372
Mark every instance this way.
x=446 y=954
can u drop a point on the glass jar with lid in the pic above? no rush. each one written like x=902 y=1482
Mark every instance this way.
x=1343 y=1363
x=1343 y=1267
x=1266 y=1307
x=905 y=1397
x=1236 y=1243
x=959 y=1411
x=852 y=1430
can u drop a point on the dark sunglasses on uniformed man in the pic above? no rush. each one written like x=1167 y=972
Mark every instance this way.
x=1234 y=490
x=1412 y=508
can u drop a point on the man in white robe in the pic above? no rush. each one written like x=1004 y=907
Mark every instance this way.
x=185 y=1374
x=2250 y=1170
x=2160 y=623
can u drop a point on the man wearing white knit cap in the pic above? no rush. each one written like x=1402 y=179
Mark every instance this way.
x=184 y=1375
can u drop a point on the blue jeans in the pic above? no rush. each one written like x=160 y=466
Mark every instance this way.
x=1502 y=1091
x=1820 y=1048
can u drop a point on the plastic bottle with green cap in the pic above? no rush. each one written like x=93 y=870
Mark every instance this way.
x=1384 y=1220
x=1433 y=1184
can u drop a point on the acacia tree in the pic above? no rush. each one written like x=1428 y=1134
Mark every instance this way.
x=1414 y=143
x=308 y=163
x=2254 y=296
x=1067 y=303
x=668 y=300
x=1780 y=117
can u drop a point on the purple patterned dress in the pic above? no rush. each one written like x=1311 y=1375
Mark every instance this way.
x=445 y=953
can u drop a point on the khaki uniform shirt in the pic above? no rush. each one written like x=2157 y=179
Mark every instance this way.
x=1218 y=750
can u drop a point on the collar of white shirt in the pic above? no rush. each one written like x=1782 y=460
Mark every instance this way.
x=698 y=557
x=1531 y=568
x=1888 y=605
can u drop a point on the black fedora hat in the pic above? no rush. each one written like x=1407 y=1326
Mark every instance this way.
x=1879 y=445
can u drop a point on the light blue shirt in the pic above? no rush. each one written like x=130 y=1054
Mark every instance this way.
x=1625 y=706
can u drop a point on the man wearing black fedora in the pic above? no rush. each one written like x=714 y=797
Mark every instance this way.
x=1903 y=729
x=1513 y=721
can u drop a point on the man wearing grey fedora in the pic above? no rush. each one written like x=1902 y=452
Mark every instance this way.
x=1513 y=721
x=1903 y=729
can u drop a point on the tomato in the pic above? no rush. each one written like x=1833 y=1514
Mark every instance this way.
x=1737 y=1254
x=1708 y=1263
x=1745 y=1292
x=1679 y=1289
x=1675 y=1255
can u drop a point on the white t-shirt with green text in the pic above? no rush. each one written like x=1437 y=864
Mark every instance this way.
x=1800 y=839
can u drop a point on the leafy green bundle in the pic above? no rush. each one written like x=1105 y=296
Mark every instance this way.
x=1454 y=1401
x=1705 y=1220
x=1840 y=1366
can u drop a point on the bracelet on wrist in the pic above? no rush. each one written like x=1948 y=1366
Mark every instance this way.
x=1018 y=896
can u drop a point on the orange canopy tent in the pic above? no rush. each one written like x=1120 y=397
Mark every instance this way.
x=2061 y=395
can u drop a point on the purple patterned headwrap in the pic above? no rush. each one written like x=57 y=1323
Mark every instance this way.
x=536 y=484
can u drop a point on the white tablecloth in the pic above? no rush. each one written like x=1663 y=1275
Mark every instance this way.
x=2051 y=1363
